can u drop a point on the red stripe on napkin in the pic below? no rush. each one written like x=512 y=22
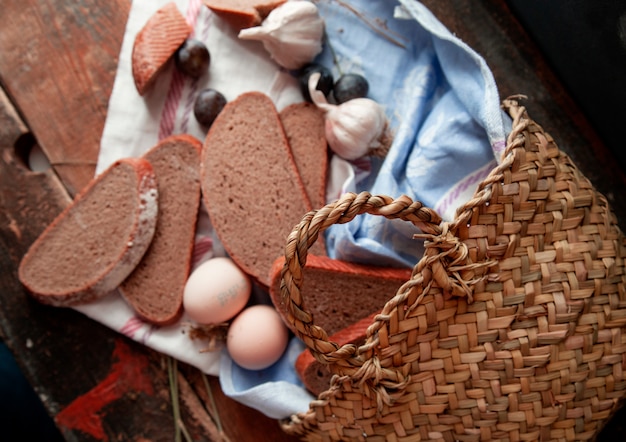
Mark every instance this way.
x=174 y=94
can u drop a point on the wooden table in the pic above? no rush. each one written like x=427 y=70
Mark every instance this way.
x=57 y=65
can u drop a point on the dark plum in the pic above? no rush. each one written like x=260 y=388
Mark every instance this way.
x=350 y=86
x=325 y=83
x=209 y=103
x=192 y=58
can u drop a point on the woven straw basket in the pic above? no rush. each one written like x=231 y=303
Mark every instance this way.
x=512 y=326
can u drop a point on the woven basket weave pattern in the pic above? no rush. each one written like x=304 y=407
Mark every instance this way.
x=512 y=327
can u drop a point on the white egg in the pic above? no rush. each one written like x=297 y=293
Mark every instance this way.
x=216 y=291
x=257 y=337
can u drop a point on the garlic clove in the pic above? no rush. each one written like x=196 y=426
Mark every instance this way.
x=292 y=33
x=355 y=128
x=317 y=96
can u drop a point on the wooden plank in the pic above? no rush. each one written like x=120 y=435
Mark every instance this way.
x=66 y=356
x=57 y=63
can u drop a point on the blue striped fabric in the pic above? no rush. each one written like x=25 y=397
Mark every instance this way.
x=442 y=103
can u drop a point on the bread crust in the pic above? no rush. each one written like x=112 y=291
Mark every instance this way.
x=343 y=298
x=316 y=376
x=155 y=288
x=127 y=250
x=304 y=126
x=338 y=293
x=250 y=184
x=156 y=43
x=241 y=14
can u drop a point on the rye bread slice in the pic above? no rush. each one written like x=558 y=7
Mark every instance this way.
x=155 y=288
x=250 y=184
x=156 y=43
x=94 y=244
x=304 y=126
x=339 y=293
x=316 y=376
x=241 y=14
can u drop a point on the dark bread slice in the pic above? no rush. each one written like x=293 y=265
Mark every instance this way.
x=94 y=244
x=156 y=43
x=304 y=126
x=155 y=288
x=339 y=293
x=241 y=14
x=316 y=376
x=250 y=184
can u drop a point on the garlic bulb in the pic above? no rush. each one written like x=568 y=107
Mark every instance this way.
x=292 y=33
x=355 y=128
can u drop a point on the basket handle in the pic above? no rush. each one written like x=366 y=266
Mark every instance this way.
x=304 y=236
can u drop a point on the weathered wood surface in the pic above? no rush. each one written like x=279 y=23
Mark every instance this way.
x=57 y=65
x=58 y=62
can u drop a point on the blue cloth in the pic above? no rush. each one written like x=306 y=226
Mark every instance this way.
x=443 y=107
x=276 y=391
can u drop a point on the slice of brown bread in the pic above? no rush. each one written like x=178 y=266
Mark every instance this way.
x=304 y=126
x=250 y=184
x=156 y=43
x=339 y=293
x=241 y=14
x=316 y=376
x=155 y=288
x=94 y=244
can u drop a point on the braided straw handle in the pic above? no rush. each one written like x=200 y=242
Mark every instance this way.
x=304 y=236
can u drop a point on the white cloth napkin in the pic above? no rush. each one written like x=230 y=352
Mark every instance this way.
x=134 y=124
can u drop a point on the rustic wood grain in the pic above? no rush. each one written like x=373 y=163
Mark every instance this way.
x=57 y=63
x=64 y=354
